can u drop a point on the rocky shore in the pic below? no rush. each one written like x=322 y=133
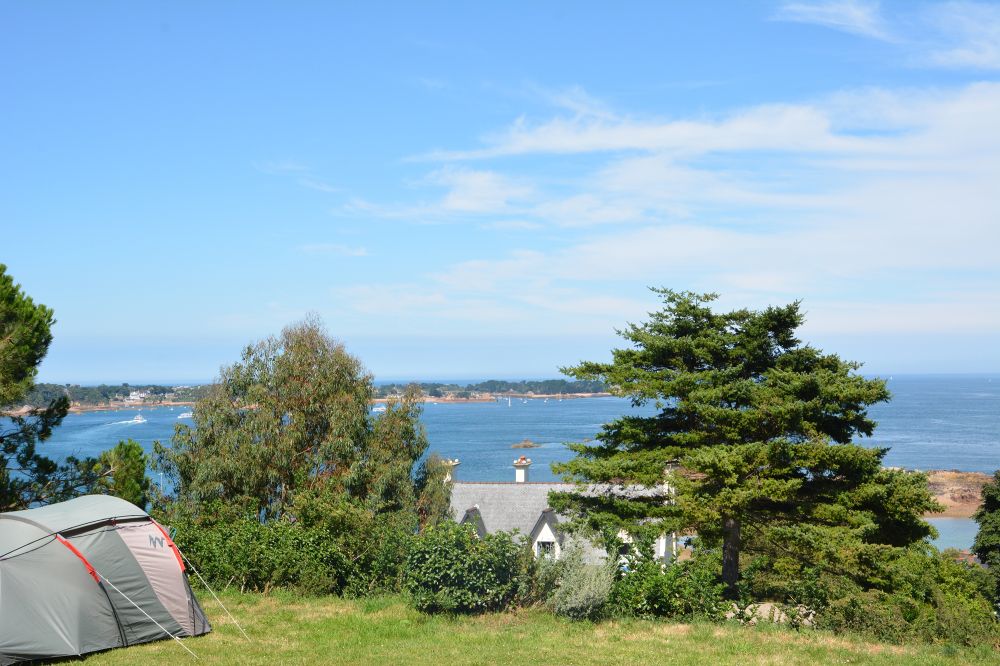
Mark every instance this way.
x=959 y=492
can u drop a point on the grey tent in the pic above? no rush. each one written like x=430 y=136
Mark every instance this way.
x=89 y=574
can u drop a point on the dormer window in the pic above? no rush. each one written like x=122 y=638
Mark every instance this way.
x=545 y=549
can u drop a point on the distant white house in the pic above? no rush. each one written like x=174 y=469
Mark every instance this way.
x=523 y=505
x=137 y=396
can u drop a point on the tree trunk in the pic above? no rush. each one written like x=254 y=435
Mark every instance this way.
x=730 y=555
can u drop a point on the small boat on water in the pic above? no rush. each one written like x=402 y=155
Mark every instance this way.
x=379 y=409
x=138 y=418
x=186 y=415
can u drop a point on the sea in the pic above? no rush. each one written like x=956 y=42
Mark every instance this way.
x=932 y=422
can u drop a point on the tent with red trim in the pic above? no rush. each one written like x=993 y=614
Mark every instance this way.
x=89 y=574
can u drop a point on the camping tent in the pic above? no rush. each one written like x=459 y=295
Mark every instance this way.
x=89 y=574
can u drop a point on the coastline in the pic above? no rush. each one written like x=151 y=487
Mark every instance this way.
x=108 y=407
x=493 y=397
x=960 y=493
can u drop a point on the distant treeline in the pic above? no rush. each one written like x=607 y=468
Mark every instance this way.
x=43 y=394
x=539 y=386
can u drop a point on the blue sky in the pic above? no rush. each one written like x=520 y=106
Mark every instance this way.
x=462 y=190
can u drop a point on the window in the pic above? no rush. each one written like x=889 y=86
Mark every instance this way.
x=546 y=549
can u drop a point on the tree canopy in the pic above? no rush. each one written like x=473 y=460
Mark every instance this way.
x=987 y=543
x=27 y=477
x=121 y=471
x=751 y=445
x=292 y=419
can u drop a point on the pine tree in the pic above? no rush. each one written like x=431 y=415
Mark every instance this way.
x=987 y=544
x=26 y=476
x=753 y=434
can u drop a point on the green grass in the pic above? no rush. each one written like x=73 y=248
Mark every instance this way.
x=287 y=629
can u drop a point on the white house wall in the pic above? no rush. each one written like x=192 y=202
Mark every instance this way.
x=546 y=534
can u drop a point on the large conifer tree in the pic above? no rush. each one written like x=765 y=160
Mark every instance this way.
x=753 y=434
x=26 y=476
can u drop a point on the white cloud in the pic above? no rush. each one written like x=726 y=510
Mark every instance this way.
x=853 y=16
x=773 y=127
x=971 y=32
x=474 y=191
x=861 y=198
x=958 y=35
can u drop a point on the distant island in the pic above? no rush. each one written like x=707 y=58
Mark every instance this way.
x=130 y=396
x=495 y=388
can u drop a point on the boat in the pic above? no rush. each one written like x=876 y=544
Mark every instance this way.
x=186 y=415
x=138 y=418
x=378 y=410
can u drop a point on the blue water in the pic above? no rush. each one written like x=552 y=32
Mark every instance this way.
x=941 y=422
x=480 y=435
x=933 y=422
x=954 y=532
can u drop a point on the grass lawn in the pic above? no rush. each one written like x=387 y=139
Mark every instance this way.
x=285 y=629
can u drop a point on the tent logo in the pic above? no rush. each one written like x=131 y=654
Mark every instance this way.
x=156 y=541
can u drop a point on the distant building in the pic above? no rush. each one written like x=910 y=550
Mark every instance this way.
x=523 y=505
x=137 y=396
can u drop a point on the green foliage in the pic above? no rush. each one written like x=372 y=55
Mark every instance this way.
x=27 y=477
x=450 y=570
x=121 y=472
x=102 y=394
x=898 y=595
x=433 y=491
x=679 y=590
x=25 y=335
x=258 y=557
x=375 y=545
x=580 y=590
x=987 y=543
x=291 y=417
x=753 y=433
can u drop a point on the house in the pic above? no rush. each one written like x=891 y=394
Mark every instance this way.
x=137 y=396
x=523 y=505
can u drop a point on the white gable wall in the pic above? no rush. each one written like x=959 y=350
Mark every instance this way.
x=546 y=534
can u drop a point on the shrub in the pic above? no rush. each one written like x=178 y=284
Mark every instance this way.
x=873 y=614
x=259 y=557
x=648 y=588
x=579 y=591
x=925 y=595
x=375 y=544
x=449 y=569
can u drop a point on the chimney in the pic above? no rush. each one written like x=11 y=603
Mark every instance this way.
x=521 y=466
x=450 y=465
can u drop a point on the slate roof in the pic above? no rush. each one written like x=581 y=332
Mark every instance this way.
x=504 y=506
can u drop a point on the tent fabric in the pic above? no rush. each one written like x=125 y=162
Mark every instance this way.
x=51 y=606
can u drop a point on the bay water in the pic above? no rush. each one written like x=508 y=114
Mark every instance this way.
x=933 y=422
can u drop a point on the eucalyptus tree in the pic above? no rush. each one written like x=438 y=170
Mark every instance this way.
x=293 y=417
x=751 y=443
